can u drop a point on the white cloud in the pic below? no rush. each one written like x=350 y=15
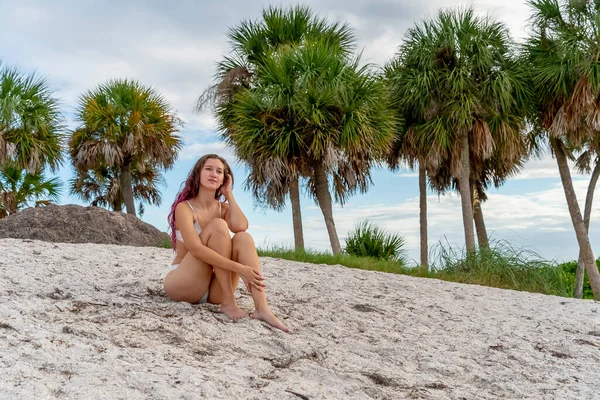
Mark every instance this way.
x=196 y=150
x=545 y=167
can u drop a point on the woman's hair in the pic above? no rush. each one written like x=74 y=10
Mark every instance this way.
x=191 y=187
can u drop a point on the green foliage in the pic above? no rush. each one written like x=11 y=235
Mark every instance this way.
x=19 y=189
x=569 y=269
x=368 y=240
x=564 y=70
x=30 y=122
x=124 y=122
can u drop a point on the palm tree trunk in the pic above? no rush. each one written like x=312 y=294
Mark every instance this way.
x=296 y=214
x=465 y=196
x=127 y=189
x=423 y=216
x=589 y=198
x=580 y=231
x=117 y=206
x=482 y=236
x=324 y=199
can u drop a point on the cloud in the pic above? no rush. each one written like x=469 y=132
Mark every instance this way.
x=195 y=150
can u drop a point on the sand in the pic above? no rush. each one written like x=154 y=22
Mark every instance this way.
x=91 y=321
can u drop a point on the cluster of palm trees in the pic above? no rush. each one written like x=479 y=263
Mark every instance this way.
x=126 y=136
x=460 y=101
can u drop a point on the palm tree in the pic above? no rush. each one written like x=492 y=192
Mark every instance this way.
x=270 y=179
x=124 y=125
x=563 y=59
x=459 y=88
x=315 y=105
x=102 y=187
x=19 y=188
x=507 y=159
x=30 y=123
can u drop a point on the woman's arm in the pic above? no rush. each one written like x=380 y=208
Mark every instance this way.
x=234 y=216
x=185 y=222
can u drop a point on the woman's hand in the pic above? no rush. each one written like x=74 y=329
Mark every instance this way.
x=227 y=187
x=252 y=278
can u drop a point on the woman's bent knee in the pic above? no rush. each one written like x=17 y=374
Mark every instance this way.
x=218 y=225
x=242 y=238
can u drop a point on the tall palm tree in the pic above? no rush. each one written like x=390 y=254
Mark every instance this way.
x=563 y=59
x=315 y=105
x=460 y=88
x=124 y=125
x=252 y=44
x=30 y=122
x=102 y=187
x=18 y=188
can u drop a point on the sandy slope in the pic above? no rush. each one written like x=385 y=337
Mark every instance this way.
x=90 y=321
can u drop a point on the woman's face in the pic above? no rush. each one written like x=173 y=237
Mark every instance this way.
x=212 y=174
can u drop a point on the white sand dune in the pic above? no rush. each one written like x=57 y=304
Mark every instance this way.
x=91 y=321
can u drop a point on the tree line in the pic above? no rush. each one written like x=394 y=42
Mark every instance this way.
x=460 y=101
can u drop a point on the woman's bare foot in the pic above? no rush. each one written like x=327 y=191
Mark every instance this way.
x=233 y=312
x=269 y=318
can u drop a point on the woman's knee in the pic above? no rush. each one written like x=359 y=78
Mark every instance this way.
x=218 y=225
x=241 y=239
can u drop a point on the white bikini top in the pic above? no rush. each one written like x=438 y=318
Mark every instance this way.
x=196 y=225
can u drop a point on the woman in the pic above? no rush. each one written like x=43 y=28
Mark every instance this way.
x=208 y=262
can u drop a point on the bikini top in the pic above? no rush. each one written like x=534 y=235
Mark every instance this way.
x=196 y=225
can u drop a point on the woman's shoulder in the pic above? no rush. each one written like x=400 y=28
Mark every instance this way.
x=183 y=206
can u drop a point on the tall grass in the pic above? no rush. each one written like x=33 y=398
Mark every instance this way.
x=501 y=266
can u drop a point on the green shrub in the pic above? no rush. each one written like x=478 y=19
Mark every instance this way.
x=166 y=242
x=570 y=269
x=368 y=240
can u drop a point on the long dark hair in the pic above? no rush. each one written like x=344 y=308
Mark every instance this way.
x=191 y=188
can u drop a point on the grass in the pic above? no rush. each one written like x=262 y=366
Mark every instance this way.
x=501 y=266
x=347 y=260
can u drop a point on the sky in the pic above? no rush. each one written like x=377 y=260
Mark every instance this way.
x=174 y=47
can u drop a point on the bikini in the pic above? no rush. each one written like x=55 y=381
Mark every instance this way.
x=179 y=237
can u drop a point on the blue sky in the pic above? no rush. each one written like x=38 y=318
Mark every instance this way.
x=174 y=47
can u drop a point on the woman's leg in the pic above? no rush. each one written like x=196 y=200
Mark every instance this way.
x=244 y=252
x=189 y=281
x=216 y=236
